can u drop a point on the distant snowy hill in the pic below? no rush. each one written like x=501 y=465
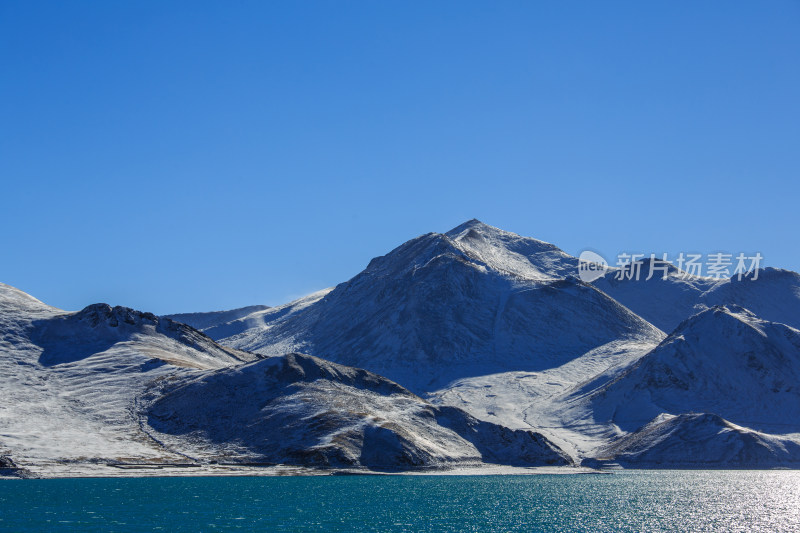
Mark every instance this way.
x=665 y=303
x=298 y=409
x=201 y=321
x=774 y=294
x=473 y=301
x=259 y=319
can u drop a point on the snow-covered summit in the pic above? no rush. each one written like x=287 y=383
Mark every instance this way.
x=508 y=252
x=440 y=307
x=69 y=337
x=483 y=247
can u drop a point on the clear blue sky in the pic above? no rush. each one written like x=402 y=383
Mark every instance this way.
x=187 y=156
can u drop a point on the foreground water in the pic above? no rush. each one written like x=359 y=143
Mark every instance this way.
x=628 y=501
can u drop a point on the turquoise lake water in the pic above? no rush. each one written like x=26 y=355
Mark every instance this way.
x=628 y=501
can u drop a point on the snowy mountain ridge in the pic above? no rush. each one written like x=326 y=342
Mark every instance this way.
x=467 y=347
x=774 y=294
x=473 y=301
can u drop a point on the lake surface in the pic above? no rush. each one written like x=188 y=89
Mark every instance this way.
x=627 y=501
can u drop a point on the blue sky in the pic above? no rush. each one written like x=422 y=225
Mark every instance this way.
x=187 y=156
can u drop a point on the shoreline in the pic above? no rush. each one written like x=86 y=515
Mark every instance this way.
x=90 y=471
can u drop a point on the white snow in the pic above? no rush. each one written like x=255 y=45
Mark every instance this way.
x=441 y=308
x=69 y=386
x=477 y=319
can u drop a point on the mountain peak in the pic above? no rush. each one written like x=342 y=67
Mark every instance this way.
x=472 y=227
x=715 y=318
x=767 y=274
x=479 y=246
x=472 y=224
x=102 y=313
x=475 y=229
x=717 y=361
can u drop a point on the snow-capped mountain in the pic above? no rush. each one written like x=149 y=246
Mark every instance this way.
x=725 y=361
x=301 y=409
x=492 y=351
x=69 y=380
x=496 y=324
x=473 y=301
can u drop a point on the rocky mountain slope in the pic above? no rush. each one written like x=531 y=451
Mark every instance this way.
x=115 y=386
x=299 y=409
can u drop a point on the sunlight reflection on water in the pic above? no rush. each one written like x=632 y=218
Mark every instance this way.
x=627 y=501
